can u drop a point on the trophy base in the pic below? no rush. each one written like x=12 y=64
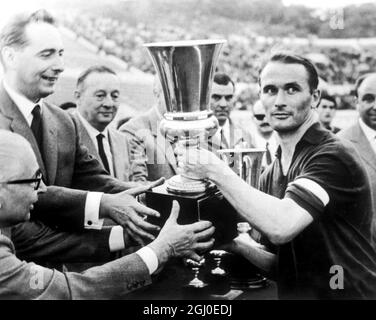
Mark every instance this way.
x=243 y=275
x=209 y=205
x=248 y=284
x=182 y=185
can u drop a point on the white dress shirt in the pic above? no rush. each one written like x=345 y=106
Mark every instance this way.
x=260 y=142
x=369 y=133
x=24 y=104
x=226 y=132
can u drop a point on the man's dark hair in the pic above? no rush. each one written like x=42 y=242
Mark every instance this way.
x=223 y=79
x=359 y=81
x=13 y=33
x=291 y=58
x=94 y=69
x=325 y=96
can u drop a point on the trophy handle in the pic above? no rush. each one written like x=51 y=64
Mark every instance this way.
x=247 y=164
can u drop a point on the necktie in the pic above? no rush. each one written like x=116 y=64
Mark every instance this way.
x=268 y=154
x=36 y=126
x=224 y=144
x=101 y=152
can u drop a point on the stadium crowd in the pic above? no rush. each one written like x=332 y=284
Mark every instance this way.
x=241 y=54
x=338 y=66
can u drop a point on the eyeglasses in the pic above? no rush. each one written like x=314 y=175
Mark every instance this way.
x=259 y=117
x=36 y=180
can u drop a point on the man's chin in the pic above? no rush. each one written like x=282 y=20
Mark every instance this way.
x=46 y=92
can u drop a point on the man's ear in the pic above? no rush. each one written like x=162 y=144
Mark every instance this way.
x=356 y=102
x=77 y=94
x=8 y=55
x=316 y=98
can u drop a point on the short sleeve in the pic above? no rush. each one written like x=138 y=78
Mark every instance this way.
x=328 y=177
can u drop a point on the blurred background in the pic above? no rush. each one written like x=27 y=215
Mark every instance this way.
x=338 y=36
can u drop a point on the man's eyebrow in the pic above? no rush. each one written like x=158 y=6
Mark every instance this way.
x=292 y=84
x=47 y=51
x=267 y=86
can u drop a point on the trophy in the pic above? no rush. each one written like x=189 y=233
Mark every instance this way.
x=186 y=71
x=246 y=163
x=196 y=282
x=217 y=256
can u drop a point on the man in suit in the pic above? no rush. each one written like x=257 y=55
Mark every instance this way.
x=363 y=133
x=228 y=135
x=264 y=136
x=326 y=110
x=152 y=151
x=79 y=190
x=20 y=184
x=97 y=98
x=149 y=146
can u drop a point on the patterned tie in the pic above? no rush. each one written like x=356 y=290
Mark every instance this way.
x=101 y=152
x=268 y=154
x=36 y=126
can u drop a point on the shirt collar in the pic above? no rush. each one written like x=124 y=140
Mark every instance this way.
x=91 y=130
x=225 y=128
x=24 y=104
x=368 y=132
x=312 y=136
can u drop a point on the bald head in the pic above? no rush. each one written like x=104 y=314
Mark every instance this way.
x=259 y=117
x=366 y=99
x=16 y=156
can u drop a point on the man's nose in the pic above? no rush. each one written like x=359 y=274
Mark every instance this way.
x=280 y=100
x=42 y=187
x=108 y=102
x=59 y=64
x=223 y=103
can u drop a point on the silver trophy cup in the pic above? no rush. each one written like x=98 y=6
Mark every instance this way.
x=246 y=163
x=186 y=70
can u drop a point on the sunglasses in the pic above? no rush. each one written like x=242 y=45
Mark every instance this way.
x=36 y=180
x=259 y=117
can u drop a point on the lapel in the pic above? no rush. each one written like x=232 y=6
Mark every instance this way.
x=16 y=122
x=236 y=135
x=86 y=139
x=365 y=149
x=162 y=143
x=119 y=153
x=235 y=138
x=50 y=143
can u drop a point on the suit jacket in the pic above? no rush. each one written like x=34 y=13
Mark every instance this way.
x=357 y=137
x=118 y=145
x=21 y=280
x=152 y=151
x=238 y=137
x=69 y=171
